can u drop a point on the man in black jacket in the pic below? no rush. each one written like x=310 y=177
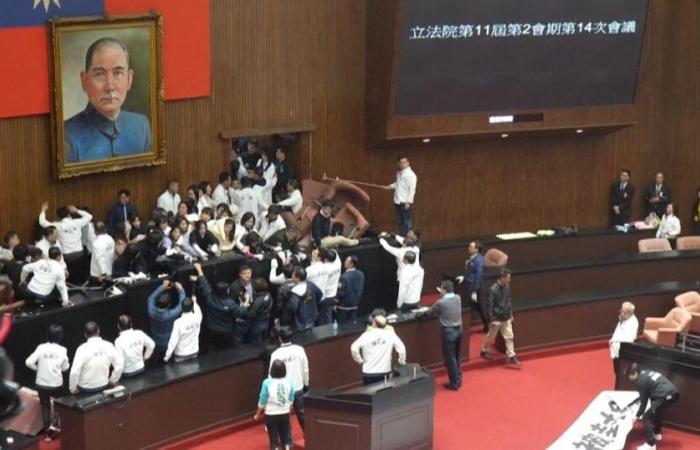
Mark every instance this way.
x=621 y=195
x=654 y=387
x=657 y=196
x=500 y=314
x=221 y=311
x=352 y=284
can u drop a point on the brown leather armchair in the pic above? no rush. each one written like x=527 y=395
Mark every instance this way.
x=664 y=330
x=495 y=258
x=654 y=245
x=690 y=301
x=688 y=243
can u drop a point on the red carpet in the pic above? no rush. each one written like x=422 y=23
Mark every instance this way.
x=498 y=408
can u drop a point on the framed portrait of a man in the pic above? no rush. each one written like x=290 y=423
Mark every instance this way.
x=107 y=94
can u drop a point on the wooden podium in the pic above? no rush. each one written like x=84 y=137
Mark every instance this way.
x=392 y=415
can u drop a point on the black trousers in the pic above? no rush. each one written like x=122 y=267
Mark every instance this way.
x=369 y=378
x=654 y=415
x=451 y=345
x=278 y=430
x=616 y=369
x=77 y=267
x=45 y=395
x=476 y=306
x=299 y=410
x=346 y=315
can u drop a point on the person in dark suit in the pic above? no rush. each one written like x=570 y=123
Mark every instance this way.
x=657 y=196
x=695 y=213
x=103 y=130
x=621 y=195
x=654 y=387
x=473 y=276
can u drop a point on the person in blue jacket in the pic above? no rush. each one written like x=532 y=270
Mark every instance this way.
x=163 y=316
x=352 y=283
x=473 y=277
x=304 y=300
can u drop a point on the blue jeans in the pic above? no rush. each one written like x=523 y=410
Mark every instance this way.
x=325 y=311
x=451 y=343
x=403 y=215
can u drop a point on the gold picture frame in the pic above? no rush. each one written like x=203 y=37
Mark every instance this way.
x=105 y=116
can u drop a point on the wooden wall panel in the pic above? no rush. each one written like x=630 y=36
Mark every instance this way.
x=297 y=62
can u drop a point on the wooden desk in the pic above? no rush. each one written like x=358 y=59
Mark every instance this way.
x=179 y=400
x=590 y=243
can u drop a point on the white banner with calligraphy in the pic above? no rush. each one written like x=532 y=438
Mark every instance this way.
x=604 y=425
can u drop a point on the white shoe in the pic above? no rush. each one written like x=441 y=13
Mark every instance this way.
x=646 y=446
x=658 y=437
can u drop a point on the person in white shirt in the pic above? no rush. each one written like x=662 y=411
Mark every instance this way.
x=297 y=364
x=70 y=235
x=333 y=268
x=373 y=349
x=102 y=254
x=407 y=245
x=204 y=200
x=9 y=241
x=135 y=347
x=626 y=331
x=184 y=339
x=49 y=240
x=404 y=194
x=410 y=283
x=271 y=222
x=317 y=273
x=49 y=280
x=92 y=361
x=247 y=225
x=224 y=193
x=170 y=199
x=670 y=226
x=249 y=200
x=294 y=200
x=49 y=360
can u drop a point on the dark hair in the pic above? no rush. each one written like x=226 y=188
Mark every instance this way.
x=21 y=252
x=260 y=285
x=504 y=272
x=123 y=191
x=409 y=257
x=188 y=305
x=103 y=42
x=243 y=268
x=294 y=183
x=627 y=171
x=232 y=235
x=477 y=244
x=246 y=217
x=278 y=369
x=447 y=286
x=326 y=203
x=299 y=273
x=35 y=253
x=378 y=312
x=48 y=231
x=354 y=260
x=208 y=211
x=163 y=302
x=222 y=289
x=402 y=157
x=277 y=209
x=285 y=334
x=133 y=215
x=203 y=186
x=54 y=253
x=282 y=150
x=91 y=329
x=223 y=176
x=54 y=333
x=199 y=223
x=9 y=234
x=632 y=369
x=171 y=182
x=246 y=182
x=326 y=255
x=124 y=322
x=62 y=212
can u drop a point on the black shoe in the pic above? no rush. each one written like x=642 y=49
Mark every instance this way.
x=450 y=387
x=487 y=356
x=513 y=361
